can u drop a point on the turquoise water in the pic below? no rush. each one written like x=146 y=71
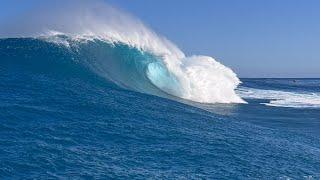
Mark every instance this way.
x=93 y=113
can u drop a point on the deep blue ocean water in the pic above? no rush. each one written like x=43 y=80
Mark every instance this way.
x=58 y=119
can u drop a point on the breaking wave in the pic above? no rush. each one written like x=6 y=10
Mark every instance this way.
x=123 y=50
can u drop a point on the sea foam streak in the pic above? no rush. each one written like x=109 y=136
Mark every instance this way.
x=196 y=78
x=282 y=98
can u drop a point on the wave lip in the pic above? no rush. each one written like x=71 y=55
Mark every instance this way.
x=195 y=78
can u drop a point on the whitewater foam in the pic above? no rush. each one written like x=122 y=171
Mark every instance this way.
x=282 y=98
x=196 y=78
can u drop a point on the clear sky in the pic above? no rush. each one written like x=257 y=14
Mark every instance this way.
x=256 y=38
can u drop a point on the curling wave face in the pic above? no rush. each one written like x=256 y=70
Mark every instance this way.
x=123 y=50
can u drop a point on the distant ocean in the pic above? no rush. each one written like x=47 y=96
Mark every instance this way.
x=92 y=93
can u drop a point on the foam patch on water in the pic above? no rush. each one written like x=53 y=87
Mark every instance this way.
x=282 y=98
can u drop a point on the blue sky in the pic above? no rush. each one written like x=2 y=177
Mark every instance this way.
x=256 y=38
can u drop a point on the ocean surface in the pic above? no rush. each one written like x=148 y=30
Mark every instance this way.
x=65 y=113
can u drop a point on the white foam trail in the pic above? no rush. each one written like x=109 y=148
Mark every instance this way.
x=282 y=98
x=200 y=78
